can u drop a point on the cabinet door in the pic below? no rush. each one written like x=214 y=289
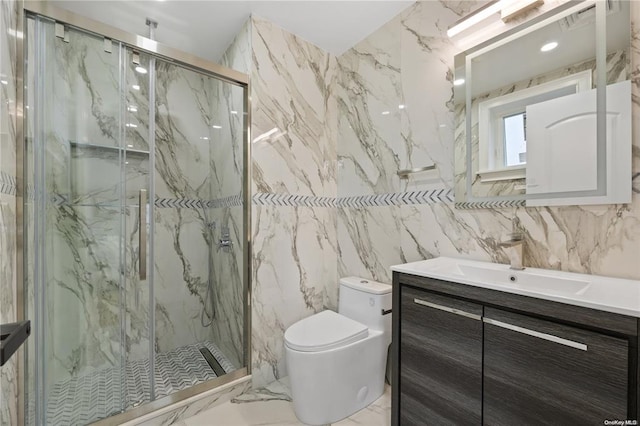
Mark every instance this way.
x=440 y=360
x=539 y=372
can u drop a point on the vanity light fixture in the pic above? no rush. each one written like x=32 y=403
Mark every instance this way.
x=458 y=82
x=547 y=47
x=141 y=70
x=508 y=10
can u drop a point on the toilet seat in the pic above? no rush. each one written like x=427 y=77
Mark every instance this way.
x=323 y=331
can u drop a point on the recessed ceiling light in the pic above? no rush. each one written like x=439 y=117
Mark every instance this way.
x=549 y=46
x=215 y=126
x=135 y=87
x=458 y=82
x=401 y=106
x=385 y=113
x=141 y=70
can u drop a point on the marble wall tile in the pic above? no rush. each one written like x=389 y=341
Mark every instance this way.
x=8 y=250
x=238 y=54
x=183 y=132
x=294 y=248
x=79 y=126
x=369 y=96
x=294 y=276
x=226 y=305
x=368 y=241
x=181 y=276
x=590 y=239
x=291 y=83
x=82 y=292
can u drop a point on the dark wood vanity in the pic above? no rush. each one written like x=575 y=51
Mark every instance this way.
x=470 y=355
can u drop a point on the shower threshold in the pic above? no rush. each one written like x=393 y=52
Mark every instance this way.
x=92 y=396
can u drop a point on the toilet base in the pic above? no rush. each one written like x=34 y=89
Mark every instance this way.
x=331 y=385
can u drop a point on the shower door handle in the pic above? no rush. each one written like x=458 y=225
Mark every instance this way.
x=142 y=236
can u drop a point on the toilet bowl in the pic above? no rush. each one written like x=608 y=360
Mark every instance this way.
x=336 y=361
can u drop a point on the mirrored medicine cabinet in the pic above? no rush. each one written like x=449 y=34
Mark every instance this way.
x=543 y=111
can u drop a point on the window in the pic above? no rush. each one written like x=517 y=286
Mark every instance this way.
x=502 y=126
x=515 y=139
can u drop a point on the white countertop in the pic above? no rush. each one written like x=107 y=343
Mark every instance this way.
x=620 y=296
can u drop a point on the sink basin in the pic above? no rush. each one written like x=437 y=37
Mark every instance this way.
x=604 y=293
x=525 y=280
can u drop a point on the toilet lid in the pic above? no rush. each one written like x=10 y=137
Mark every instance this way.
x=323 y=331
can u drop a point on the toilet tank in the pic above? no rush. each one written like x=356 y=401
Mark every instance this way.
x=365 y=300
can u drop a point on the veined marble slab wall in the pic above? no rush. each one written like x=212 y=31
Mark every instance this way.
x=79 y=115
x=293 y=153
x=409 y=62
x=227 y=166
x=8 y=300
x=183 y=237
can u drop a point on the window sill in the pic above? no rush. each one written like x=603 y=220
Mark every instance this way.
x=508 y=173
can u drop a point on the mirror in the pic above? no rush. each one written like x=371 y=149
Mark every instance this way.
x=537 y=123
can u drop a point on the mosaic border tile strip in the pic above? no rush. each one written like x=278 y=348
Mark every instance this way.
x=181 y=203
x=432 y=196
x=231 y=201
x=8 y=184
x=490 y=204
x=270 y=199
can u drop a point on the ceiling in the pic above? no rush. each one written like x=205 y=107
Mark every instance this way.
x=206 y=28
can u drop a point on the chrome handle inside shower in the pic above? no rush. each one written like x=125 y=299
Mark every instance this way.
x=225 y=242
x=142 y=235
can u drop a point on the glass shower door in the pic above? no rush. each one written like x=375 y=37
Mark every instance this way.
x=80 y=211
x=199 y=227
x=135 y=226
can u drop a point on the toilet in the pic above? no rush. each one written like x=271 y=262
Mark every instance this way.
x=336 y=361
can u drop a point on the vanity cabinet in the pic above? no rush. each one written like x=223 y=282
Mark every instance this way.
x=469 y=355
x=541 y=372
x=441 y=357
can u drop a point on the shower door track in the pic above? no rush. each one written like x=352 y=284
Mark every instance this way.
x=186 y=60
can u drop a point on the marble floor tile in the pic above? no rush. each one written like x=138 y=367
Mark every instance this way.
x=272 y=405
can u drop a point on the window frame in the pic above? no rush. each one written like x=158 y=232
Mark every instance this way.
x=491 y=155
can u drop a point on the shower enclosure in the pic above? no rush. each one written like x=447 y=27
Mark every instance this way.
x=135 y=221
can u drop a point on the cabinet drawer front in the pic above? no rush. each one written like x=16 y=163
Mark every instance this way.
x=440 y=360
x=540 y=372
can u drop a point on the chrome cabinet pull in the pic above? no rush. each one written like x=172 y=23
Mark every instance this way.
x=448 y=309
x=539 y=335
x=142 y=236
